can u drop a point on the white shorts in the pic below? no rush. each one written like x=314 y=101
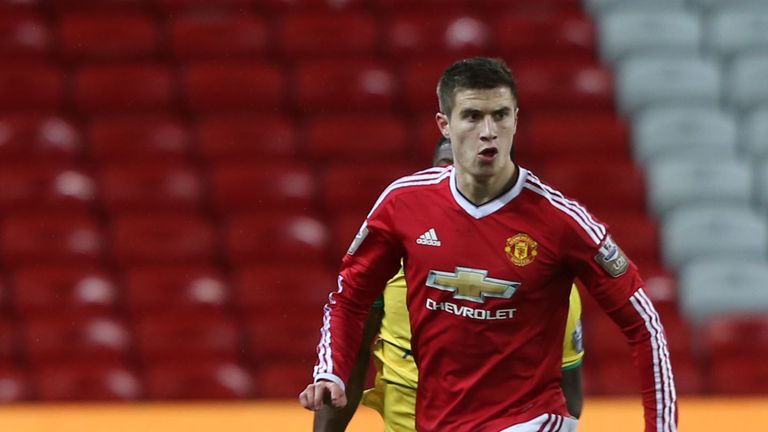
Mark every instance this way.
x=546 y=423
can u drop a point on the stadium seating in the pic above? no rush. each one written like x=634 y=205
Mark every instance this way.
x=157 y=289
x=73 y=336
x=149 y=185
x=328 y=138
x=262 y=187
x=162 y=238
x=693 y=232
x=675 y=182
x=174 y=172
x=91 y=380
x=344 y=86
x=24 y=36
x=51 y=238
x=31 y=86
x=733 y=30
x=684 y=132
x=212 y=87
x=715 y=286
x=753 y=131
x=625 y=32
x=199 y=380
x=744 y=88
x=41 y=290
x=139 y=138
x=39 y=137
x=318 y=34
x=656 y=78
x=123 y=89
x=99 y=36
x=218 y=36
x=247 y=137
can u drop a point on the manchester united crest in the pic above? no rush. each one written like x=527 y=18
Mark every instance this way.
x=521 y=249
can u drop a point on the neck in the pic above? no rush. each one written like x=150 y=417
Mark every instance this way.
x=480 y=190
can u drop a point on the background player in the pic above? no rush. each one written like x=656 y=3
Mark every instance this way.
x=394 y=394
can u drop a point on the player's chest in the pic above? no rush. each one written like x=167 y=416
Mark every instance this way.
x=505 y=246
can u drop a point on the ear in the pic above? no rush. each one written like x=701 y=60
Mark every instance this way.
x=442 y=124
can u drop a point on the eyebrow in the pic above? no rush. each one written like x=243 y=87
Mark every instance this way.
x=468 y=111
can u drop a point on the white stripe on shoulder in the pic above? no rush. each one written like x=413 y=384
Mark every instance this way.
x=595 y=229
x=412 y=181
x=422 y=175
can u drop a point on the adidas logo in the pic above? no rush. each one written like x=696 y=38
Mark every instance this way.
x=429 y=238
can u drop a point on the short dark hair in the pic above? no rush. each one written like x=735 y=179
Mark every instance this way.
x=473 y=73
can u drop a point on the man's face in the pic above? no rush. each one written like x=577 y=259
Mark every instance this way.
x=481 y=128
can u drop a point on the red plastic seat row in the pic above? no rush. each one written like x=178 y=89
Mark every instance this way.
x=24 y=35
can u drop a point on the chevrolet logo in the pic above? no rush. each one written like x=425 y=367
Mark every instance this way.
x=471 y=284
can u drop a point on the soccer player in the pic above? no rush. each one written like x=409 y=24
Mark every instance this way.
x=394 y=394
x=488 y=293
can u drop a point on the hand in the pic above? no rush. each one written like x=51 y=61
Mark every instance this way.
x=323 y=393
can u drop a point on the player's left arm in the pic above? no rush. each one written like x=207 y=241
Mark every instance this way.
x=613 y=280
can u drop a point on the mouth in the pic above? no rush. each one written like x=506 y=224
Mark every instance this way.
x=488 y=154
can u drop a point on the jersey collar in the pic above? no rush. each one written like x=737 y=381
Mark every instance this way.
x=492 y=206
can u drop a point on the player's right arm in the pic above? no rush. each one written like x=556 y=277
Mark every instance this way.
x=373 y=258
x=329 y=419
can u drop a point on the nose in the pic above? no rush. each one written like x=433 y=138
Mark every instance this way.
x=488 y=132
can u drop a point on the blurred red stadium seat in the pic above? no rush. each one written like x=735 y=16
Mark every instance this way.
x=354 y=186
x=24 y=36
x=312 y=5
x=419 y=83
x=163 y=238
x=561 y=84
x=247 y=137
x=88 y=36
x=9 y=342
x=264 y=187
x=291 y=288
x=282 y=380
x=184 y=335
x=139 y=138
x=75 y=336
x=486 y=5
x=522 y=35
x=225 y=36
x=199 y=379
x=203 y=6
x=39 y=290
x=344 y=227
x=635 y=232
x=345 y=85
x=51 y=238
x=45 y=187
x=88 y=381
x=576 y=137
x=318 y=34
x=38 y=137
x=169 y=288
x=216 y=87
x=31 y=86
x=737 y=351
x=297 y=339
x=276 y=237
x=100 y=5
x=418 y=33
x=151 y=186
x=598 y=185
x=17 y=385
x=124 y=88
x=337 y=138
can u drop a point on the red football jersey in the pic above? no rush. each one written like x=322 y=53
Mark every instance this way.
x=488 y=290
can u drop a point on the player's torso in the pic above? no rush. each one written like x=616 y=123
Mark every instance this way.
x=488 y=298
